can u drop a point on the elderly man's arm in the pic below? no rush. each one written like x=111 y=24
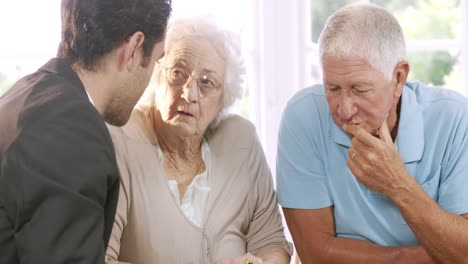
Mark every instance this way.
x=444 y=235
x=313 y=232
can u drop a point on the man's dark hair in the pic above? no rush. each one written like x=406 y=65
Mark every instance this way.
x=93 y=28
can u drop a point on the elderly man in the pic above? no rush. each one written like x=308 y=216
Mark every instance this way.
x=371 y=168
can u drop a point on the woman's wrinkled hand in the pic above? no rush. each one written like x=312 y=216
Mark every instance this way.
x=116 y=262
x=246 y=259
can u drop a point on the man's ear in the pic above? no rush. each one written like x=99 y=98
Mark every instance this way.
x=400 y=74
x=133 y=51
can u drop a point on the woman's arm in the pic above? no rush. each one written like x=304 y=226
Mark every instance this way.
x=274 y=255
x=116 y=262
x=265 y=237
x=120 y=221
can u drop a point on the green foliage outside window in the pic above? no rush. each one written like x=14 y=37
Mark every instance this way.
x=420 y=20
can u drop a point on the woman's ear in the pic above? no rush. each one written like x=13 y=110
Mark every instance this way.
x=133 y=51
x=400 y=75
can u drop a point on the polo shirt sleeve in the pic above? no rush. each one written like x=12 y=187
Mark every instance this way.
x=300 y=171
x=453 y=194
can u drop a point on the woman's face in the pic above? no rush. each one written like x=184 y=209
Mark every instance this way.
x=190 y=93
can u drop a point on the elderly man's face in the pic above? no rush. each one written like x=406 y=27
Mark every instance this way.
x=358 y=94
x=190 y=97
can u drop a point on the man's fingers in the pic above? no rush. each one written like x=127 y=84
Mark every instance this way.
x=384 y=133
x=354 y=168
x=361 y=134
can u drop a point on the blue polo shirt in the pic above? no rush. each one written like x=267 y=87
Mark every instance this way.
x=312 y=172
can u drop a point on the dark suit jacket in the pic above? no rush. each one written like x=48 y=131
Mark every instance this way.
x=59 y=179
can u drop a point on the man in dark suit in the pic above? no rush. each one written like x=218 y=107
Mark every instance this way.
x=58 y=176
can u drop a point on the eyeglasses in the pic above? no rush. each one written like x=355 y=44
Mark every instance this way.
x=178 y=76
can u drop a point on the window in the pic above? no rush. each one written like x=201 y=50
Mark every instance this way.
x=35 y=36
x=435 y=33
x=280 y=45
x=30 y=36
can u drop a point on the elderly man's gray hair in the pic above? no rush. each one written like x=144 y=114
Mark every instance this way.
x=366 y=31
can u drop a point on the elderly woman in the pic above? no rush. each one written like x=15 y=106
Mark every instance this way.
x=196 y=187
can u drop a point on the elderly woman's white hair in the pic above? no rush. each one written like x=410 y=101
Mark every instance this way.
x=227 y=44
x=366 y=31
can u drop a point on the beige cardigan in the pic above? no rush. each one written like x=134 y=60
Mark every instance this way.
x=242 y=214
